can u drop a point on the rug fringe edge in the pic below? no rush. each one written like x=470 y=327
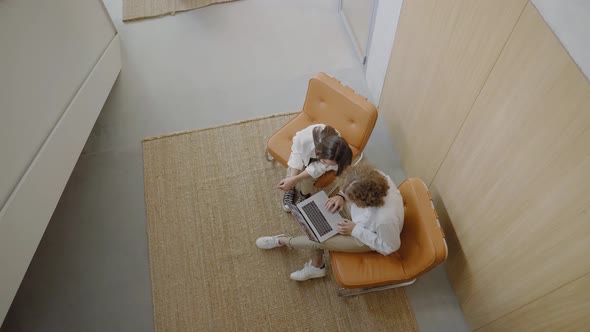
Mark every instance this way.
x=178 y=133
x=133 y=18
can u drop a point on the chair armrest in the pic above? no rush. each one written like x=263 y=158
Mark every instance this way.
x=325 y=180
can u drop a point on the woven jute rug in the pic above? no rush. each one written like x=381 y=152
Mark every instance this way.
x=141 y=9
x=209 y=194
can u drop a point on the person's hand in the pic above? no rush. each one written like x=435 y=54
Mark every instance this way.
x=287 y=183
x=345 y=227
x=335 y=204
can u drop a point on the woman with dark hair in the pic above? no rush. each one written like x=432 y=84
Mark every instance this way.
x=316 y=150
x=377 y=213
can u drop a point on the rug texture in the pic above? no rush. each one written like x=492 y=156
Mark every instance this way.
x=209 y=194
x=141 y=9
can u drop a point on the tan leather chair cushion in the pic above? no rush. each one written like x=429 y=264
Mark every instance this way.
x=337 y=105
x=423 y=244
x=366 y=270
x=422 y=247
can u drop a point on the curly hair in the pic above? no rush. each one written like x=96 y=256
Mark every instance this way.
x=364 y=185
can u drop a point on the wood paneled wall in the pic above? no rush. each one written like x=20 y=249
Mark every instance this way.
x=510 y=170
x=443 y=53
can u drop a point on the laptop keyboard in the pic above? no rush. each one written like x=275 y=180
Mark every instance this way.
x=317 y=218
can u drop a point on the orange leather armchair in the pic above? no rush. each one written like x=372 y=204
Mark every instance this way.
x=332 y=103
x=423 y=247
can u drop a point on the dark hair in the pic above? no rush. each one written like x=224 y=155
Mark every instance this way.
x=365 y=185
x=320 y=133
x=329 y=145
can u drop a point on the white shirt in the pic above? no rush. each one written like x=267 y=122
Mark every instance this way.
x=380 y=227
x=303 y=149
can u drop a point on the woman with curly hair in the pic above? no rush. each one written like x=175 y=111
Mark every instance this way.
x=377 y=214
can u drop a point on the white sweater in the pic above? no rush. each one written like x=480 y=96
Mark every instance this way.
x=303 y=149
x=380 y=227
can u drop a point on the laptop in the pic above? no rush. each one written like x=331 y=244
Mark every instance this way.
x=317 y=222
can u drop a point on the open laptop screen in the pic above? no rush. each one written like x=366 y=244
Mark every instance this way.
x=302 y=222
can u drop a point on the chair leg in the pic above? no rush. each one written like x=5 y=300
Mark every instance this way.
x=268 y=156
x=345 y=292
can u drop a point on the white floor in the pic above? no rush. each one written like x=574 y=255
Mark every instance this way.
x=218 y=64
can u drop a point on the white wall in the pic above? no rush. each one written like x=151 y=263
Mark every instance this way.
x=386 y=19
x=47 y=48
x=359 y=13
x=570 y=21
x=58 y=62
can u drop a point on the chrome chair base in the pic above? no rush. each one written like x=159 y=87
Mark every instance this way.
x=346 y=292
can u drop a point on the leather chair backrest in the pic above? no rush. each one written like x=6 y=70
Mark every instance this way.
x=422 y=240
x=334 y=104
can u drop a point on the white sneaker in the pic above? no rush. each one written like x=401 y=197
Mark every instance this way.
x=308 y=272
x=269 y=242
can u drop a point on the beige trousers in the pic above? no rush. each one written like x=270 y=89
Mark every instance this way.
x=305 y=186
x=344 y=243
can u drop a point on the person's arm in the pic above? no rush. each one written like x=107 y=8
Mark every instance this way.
x=296 y=157
x=290 y=181
x=385 y=241
x=317 y=169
